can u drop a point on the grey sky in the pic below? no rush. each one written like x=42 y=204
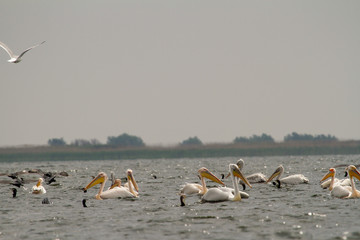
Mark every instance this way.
x=169 y=70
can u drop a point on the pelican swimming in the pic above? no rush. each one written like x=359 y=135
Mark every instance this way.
x=340 y=191
x=253 y=178
x=115 y=192
x=15 y=58
x=131 y=179
x=193 y=188
x=292 y=179
x=38 y=188
x=333 y=181
x=218 y=195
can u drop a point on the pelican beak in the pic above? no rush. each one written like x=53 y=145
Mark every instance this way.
x=206 y=173
x=97 y=180
x=132 y=179
x=114 y=185
x=38 y=184
x=354 y=173
x=328 y=175
x=238 y=173
x=276 y=173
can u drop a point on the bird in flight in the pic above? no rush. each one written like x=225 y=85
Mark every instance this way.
x=14 y=58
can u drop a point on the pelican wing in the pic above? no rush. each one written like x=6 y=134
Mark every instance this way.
x=295 y=179
x=217 y=195
x=232 y=191
x=340 y=191
x=256 y=178
x=191 y=188
x=117 y=192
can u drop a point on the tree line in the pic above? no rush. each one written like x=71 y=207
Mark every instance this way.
x=126 y=140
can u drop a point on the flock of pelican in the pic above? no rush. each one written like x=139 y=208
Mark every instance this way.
x=339 y=188
x=343 y=189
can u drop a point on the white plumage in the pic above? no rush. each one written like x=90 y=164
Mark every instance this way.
x=15 y=58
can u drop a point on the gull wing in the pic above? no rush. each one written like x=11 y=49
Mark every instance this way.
x=7 y=49
x=22 y=54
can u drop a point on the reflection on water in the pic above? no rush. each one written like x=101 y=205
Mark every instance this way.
x=301 y=212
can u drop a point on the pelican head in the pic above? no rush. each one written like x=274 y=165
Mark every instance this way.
x=131 y=179
x=204 y=172
x=277 y=173
x=330 y=173
x=237 y=173
x=100 y=178
x=240 y=163
x=353 y=172
x=38 y=184
x=117 y=183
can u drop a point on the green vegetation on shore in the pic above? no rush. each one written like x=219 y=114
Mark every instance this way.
x=63 y=153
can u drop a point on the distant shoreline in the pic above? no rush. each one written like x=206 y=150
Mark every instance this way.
x=70 y=153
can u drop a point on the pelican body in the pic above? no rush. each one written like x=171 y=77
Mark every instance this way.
x=292 y=179
x=193 y=188
x=339 y=191
x=38 y=188
x=219 y=195
x=330 y=183
x=15 y=58
x=131 y=180
x=115 y=192
x=253 y=178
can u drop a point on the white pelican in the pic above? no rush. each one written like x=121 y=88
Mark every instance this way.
x=193 y=188
x=115 y=192
x=333 y=181
x=15 y=58
x=253 y=178
x=218 y=195
x=292 y=179
x=340 y=191
x=38 y=188
x=131 y=179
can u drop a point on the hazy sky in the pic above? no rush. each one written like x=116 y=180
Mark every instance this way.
x=169 y=70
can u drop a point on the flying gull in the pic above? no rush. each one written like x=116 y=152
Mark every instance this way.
x=14 y=58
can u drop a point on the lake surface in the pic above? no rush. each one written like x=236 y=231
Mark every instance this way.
x=304 y=211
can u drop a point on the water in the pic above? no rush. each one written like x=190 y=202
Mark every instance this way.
x=301 y=212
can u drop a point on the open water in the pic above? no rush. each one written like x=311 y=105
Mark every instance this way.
x=304 y=211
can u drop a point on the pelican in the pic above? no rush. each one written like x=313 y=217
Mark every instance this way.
x=253 y=178
x=15 y=58
x=218 y=195
x=131 y=179
x=292 y=179
x=340 y=191
x=193 y=188
x=333 y=181
x=38 y=188
x=115 y=192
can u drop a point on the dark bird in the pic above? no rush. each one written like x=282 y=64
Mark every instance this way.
x=182 y=200
x=14 y=191
x=84 y=202
x=18 y=182
x=46 y=201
